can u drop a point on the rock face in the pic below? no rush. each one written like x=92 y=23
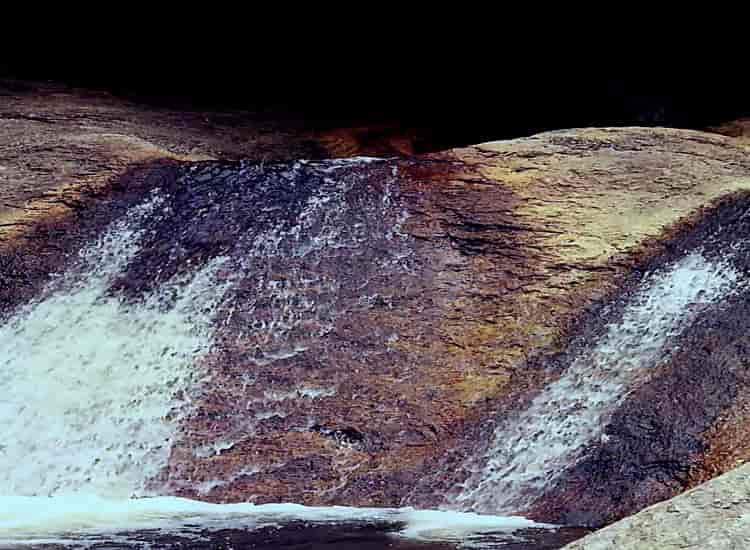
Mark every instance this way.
x=714 y=515
x=63 y=149
x=388 y=316
x=738 y=129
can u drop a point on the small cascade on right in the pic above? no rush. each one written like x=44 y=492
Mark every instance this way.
x=530 y=449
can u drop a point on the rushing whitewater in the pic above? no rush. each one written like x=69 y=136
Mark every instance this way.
x=93 y=386
x=98 y=374
x=220 y=314
x=101 y=372
x=529 y=451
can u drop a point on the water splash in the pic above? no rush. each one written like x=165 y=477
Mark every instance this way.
x=298 y=287
x=86 y=520
x=531 y=450
x=93 y=385
x=337 y=239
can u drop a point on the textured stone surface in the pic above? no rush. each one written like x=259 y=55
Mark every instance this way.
x=481 y=264
x=680 y=425
x=506 y=246
x=63 y=149
x=714 y=515
x=738 y=129
x=52 y=135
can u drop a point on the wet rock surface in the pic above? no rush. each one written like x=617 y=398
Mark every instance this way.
x=381 y=317
x=738 y=129
x=672 y=432
x=63 y=149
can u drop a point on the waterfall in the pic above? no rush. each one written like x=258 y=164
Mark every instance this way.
x=102 y=373
x=93 y=385
x=530 y=450
x=99 y=373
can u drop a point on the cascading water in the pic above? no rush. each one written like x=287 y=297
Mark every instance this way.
x=100 y=373
x=140 y=367
x=531 y=449
x=93 y=386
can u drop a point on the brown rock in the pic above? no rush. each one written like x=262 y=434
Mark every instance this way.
x=738 y=129
x=454 y=279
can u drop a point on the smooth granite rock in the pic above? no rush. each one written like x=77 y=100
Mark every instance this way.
x=714 y=515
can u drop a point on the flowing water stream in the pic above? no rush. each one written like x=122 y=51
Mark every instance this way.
x=101 y=372
x=530 y=450
x=96 y=380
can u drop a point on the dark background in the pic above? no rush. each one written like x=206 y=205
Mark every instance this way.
x=468 y=92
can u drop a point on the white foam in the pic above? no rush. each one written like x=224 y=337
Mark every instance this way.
x=299 y=392
x=329 y=164
x=93 y=386
x=530 y=451
x=28 y=520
